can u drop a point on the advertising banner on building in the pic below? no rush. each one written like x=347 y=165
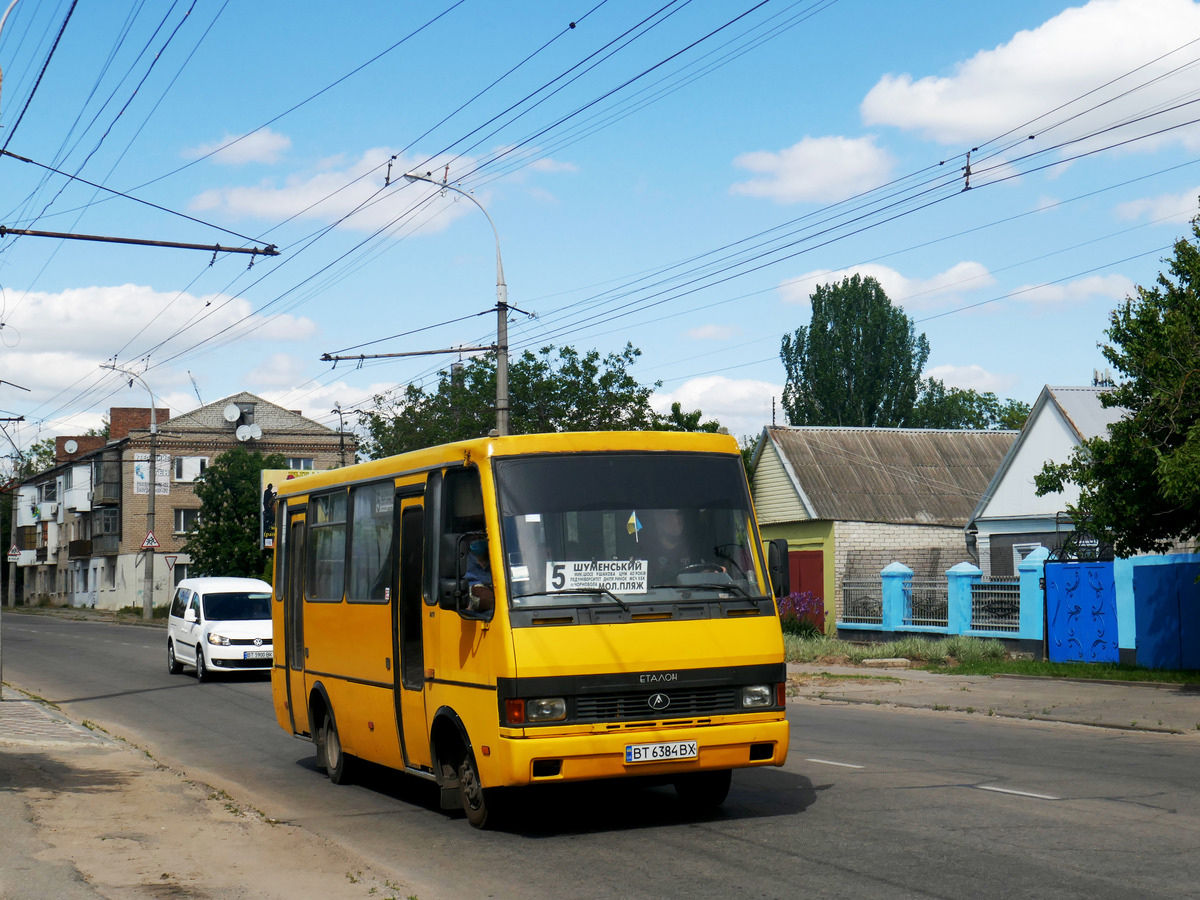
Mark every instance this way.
x=266 y=519
x=162 y=473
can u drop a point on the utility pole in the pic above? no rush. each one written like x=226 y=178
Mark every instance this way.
x=502 y=306
x=148 y=545
x=337 y=410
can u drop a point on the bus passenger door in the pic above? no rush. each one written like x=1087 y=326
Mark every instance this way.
x=410 y=617
x=293 y=602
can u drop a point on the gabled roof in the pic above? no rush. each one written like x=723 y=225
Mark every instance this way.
x=270 y=418
x=1082 y=411
x=1081 y=407
x=902 y=476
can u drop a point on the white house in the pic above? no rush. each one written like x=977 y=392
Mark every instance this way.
x=1010 y=519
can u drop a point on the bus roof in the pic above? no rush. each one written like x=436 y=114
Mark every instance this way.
x=512 y=445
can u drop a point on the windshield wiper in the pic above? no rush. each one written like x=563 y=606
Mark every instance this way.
x=605 y=592
x=711 y=586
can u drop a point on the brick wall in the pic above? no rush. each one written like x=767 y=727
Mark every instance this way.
x=124 y=419
x=862 y=549
x=85 y=444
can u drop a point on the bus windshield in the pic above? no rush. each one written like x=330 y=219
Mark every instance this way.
x=626 y=527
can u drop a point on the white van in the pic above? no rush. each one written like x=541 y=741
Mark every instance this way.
x=220 y=624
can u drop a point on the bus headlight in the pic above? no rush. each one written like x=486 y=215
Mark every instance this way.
x=755 y=695
x=218 y=639
x=546 y=709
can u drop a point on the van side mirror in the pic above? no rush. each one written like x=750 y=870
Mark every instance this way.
x=777 y=567
x=189 y=615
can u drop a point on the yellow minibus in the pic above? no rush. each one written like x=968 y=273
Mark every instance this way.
x=531 y=609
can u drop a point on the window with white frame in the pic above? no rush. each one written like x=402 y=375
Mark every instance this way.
x=1020 y=551
x=300 y=462
x=189 y=468
x=185 y=520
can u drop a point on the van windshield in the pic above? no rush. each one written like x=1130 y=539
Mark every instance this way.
x=237 y=606
x=630 y=527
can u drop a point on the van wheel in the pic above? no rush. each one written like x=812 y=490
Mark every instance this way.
x=201 y=668
x=338 y=763
x=475 y=800
x=173 y=665
x=703 y=791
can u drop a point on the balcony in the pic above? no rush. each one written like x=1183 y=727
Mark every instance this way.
x=106 y=493
x=79 y=549
x=106 y=545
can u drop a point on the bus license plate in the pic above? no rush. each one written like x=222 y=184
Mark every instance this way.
x=257 y=654
x=637 y=753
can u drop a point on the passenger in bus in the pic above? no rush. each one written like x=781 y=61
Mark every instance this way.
x=480 y=593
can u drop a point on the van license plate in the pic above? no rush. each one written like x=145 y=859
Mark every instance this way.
x=257 y=654
x=638 y=753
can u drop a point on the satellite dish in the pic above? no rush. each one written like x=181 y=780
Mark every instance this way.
x=243 y=432
x=232 y=413
x=71 y=446
x=255 y=432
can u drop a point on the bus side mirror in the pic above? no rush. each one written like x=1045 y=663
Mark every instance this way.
x=777 y=567
x=452 y=585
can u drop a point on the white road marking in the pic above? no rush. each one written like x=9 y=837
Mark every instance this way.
x=828 y=762
x=1000 y=790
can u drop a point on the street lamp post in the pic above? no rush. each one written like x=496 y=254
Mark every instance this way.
x=501 y=306
x=148 y=589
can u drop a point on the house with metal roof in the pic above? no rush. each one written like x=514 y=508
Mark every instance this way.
x=850 y=501
x=1010 y=519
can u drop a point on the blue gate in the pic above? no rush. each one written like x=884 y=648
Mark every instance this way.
x=1081 y=612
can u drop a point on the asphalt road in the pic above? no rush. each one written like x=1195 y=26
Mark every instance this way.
x=874 y=802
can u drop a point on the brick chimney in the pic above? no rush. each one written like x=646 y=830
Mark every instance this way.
x=84 y=443
x=124 y=419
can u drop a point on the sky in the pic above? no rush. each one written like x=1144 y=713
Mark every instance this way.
x=676 y=176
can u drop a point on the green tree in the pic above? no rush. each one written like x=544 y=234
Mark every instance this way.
x=1140 y=485
x=678 y=420
x=551 y=390
x=941 y=407
x=858 y=362
x=225 y=541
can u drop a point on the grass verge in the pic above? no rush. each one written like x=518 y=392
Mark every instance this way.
x=968 y=656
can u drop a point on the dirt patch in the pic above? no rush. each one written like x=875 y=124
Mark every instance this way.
x=134 y=828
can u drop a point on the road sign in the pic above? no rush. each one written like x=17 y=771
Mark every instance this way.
x=14 y=554
x=170 y=561
x=150 y=542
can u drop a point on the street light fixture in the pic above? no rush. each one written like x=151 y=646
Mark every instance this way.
x=501 y=305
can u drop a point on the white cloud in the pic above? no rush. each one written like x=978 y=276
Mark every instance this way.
x=337 y=189
x=901 y=290
x=713 y=332
x=61 y=339
x=262 y=146
x=742 y=406
x=820 y=170
x=1101 y=287
x=973 y=378
x=1177 y=208
x=1061 y=60
x=552 y=165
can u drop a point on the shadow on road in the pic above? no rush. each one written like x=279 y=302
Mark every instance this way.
x=42 y=772
x=549 y=810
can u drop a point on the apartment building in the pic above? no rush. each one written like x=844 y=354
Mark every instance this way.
x=83 y=529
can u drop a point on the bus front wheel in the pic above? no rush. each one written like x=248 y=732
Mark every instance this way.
x=702 y=791
x=474 y=797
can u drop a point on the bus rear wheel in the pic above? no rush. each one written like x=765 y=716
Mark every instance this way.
x=338 y=764
x=703 y=791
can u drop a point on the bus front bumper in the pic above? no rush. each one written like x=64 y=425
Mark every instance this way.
x=578 y=757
